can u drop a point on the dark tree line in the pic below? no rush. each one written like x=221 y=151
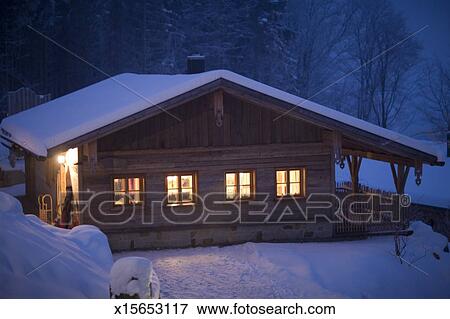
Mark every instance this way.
x=336 y=52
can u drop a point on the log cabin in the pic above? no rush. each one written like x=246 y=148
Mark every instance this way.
x=204 y=158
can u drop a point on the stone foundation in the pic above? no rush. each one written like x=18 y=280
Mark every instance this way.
x=218 y=236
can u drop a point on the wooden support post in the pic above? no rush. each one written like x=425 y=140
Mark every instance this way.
x=337 y=146
x=354 y=164
x=218 y=107
x=400 y=175
x=30 y=177
x=90 y=150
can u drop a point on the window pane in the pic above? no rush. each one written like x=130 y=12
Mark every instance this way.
x=230 y=179
x=281 y=189
x=186 y=195
x=186 y=181
x=133 y=184
x=294 y=176
x=281 y=177
x=119 y=198
x=244 y=178
x=294 y=188
x=134 y=197
x=172 y=196
x=231 y=192
x=119 y=184
x=172 y=182
x=245 y=192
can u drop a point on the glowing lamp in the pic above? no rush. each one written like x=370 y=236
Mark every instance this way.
x=61 y=159
x=72 y=156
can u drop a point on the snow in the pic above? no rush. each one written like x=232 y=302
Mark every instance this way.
x=434 y=189
x=354 y=269
x=41 y=261
x=55 y=122
x=134 y=276
x=14 y=190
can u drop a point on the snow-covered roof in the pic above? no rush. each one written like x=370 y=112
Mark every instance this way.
x=53 y=123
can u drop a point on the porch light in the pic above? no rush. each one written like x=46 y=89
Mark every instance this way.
x=61 y=159
x=71 y=156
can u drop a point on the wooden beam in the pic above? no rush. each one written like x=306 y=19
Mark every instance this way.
x=405 y=178
x=354 y=164
x=400 y=176
x=394 y=174
x=218 y=107
x=30 y=177
x=359 y=162
x=378 y=157
x=92 y=155
x=337 y=145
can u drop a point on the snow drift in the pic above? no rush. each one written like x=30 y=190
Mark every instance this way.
x=41 y=261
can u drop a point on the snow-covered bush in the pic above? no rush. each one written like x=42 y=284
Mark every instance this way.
x=426 y=242
x=134 y=277
x=41 y=261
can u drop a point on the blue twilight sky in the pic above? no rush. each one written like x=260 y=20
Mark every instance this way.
x=434 y=13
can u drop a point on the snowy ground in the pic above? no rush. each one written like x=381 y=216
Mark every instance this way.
x=355 y=269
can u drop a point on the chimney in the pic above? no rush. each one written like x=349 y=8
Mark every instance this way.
x=195 y=64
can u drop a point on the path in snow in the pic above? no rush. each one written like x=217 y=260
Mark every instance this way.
x=357 y=269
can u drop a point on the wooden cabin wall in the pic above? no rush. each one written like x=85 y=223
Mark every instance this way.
x=243 y=124
x=41 y=179
x=249 y=139
x=210 y=166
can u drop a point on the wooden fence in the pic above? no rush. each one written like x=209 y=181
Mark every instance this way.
x=369 y=217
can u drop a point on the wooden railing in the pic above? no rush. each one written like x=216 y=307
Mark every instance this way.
x=368 y=218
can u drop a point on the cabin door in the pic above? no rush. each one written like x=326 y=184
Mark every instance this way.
x=67 y=188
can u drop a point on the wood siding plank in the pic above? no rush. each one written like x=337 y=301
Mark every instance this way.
x=244 y=124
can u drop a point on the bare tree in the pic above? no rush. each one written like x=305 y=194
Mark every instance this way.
x=394 y=70
x=385 y=58
x=320 y=28
x=436 y=91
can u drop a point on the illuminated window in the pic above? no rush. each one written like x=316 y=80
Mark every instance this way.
x=180 y=188
x=290 y=182
x=128 y=190
x=239 y=185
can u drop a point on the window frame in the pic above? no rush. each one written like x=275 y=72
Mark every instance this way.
x=194 y=188
x=238 y=184
x=127 y=191
x=303 y=174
